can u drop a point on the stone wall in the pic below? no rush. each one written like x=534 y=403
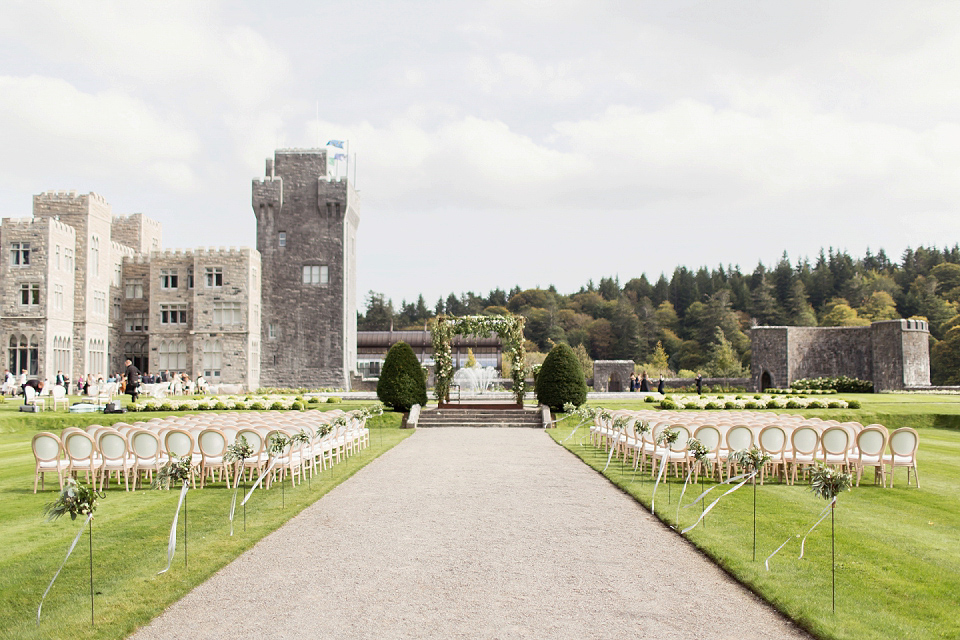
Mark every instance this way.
x=618 y=370
x=769 y=349
x=893 y=354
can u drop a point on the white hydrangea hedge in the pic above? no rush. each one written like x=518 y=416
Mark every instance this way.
x=233 y=403
x=764 y=401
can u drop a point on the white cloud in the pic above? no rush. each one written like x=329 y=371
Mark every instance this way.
x=52 y=127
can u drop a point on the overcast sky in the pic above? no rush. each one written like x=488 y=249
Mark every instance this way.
x=501 y=143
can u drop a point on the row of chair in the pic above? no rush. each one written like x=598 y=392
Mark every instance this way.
x=795 y=444
x=136 y=451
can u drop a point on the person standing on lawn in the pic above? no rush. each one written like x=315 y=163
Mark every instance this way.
x=133 y=380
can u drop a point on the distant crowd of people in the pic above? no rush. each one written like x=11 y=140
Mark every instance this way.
x=129 y=381
x=642 y=382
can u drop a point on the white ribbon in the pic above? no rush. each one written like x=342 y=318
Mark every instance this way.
x=256 y=484
x=685 y=482
x=743 y=478
x=172 y=543
x=820 y=518
x=582 y=422
x=653 y=498
x=233 y=505
x=613 y=447
x=62 y=564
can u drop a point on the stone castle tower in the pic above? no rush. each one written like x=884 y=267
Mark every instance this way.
x=306 y=235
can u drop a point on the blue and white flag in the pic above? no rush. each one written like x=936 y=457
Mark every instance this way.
x=335 y=143
x=339 y=156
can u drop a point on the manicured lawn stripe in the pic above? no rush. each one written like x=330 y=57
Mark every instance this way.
x=130 y=536
x=898 y=571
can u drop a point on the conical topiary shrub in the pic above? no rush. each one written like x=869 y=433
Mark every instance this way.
x=402 y=383
x=560 y=380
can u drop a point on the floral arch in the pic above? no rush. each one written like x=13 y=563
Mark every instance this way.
x=510 y=330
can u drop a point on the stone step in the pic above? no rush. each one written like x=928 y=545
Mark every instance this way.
x=480 y=418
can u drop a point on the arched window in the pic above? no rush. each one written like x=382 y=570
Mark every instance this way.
x=181 y=356
x=33 y=357
x=164 y=360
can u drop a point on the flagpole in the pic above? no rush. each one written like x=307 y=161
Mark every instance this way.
x=347 y=173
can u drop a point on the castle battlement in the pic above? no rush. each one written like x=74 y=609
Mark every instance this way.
x=134 y=217
x=122 y=249
x=200 y=252
x=68 y=196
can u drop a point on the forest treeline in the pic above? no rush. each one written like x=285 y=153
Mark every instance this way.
x=700 y=320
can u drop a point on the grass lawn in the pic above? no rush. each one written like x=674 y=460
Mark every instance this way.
x=898 y=570
x=130 y=535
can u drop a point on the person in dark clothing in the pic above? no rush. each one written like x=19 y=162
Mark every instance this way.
x=133 y=380
x=36 y=385
x=644 y=382
x=63 y=381
x=699 y=381
x=633 y=382
x=660 y=384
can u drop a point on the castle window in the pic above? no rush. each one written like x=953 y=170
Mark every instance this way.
x=173 y=355
x=134 y=288
x=282 y=239
x=214 y=277
x=68 y=259
x=95 y=255
x=117 y=272
x=212 y=358
x=190 y=278
x=58 y=257
x=116 y=312
x=315 y=274
x=272 y=331
x=169 y=279
x=133 y=322
x=58 y=297
x=20 y=254
x=24 y=357
x=100 y=303
x=173 y=314
x=227 y=313
x=29 y=294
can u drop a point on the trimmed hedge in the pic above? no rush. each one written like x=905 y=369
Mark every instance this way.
x=840 y=384
x=560 y=380
x=402 y=383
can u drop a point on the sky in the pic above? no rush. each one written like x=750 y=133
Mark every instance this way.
x=501 y=143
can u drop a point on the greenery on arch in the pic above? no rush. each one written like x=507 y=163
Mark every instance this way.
x=510 y=330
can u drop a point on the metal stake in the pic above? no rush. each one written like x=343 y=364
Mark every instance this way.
x=91 y=572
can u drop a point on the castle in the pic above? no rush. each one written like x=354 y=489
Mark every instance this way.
x=82 y=289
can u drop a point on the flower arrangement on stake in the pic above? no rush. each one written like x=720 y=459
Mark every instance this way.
x=827 y=483
x=238 y=452
x=752 y=460
x=619 y=429
x=641 y=428
x=300 y=439
x=699 y=453
x=585 y=413
x=665 y=439
x=278 y=445
x=178 y=469
x=77 y=500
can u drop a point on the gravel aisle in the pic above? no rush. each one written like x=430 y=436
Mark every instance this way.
x=472 y=533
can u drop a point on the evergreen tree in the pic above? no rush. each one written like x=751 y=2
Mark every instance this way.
x=402 y=382
x=661 y=291
x=799 y=311
x=379 y=315
x=724 y=361
x=561 y=379
x=626 y=329
x=763 y=306
x=782 y=280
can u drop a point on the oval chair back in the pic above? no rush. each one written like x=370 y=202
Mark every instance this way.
x=835 y=446
x=48 y=453
x=903 y=452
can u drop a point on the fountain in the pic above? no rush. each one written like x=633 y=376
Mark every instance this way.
x=476 y=379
